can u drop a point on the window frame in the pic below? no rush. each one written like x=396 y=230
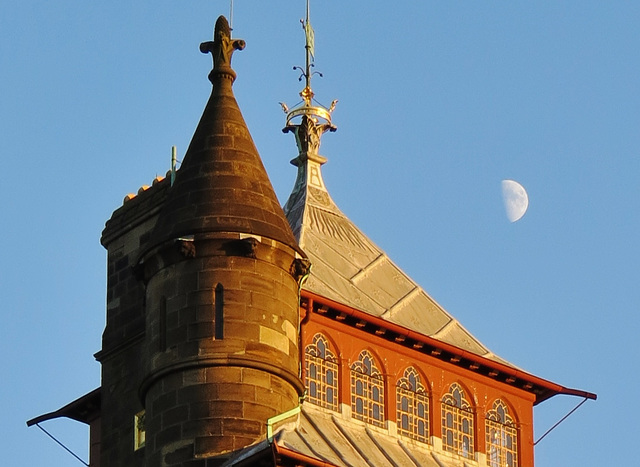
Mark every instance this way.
x=322 y=374
x=458 y=423
x=367 y=390
x=499 y=423
x=409 y=388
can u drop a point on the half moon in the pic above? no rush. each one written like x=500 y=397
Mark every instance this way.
x=515 y=198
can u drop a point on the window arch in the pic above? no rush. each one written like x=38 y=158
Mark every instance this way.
x=321 y=373
x=457 y=422
x=412 y=406
x=502 y=437
x=367 y=390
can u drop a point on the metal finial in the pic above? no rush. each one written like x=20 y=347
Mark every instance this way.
x=173 y=164
x=308 y=120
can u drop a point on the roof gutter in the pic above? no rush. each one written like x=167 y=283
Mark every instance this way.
x=551 y=388
x=298 y=457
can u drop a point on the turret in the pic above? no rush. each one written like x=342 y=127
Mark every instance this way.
x=221 y=272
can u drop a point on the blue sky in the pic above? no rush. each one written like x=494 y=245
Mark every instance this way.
x=438 y=102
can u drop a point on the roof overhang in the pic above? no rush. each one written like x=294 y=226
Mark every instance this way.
x=85 y=409
x=541 y=388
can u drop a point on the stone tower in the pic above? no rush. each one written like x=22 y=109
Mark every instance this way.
x=212 y=274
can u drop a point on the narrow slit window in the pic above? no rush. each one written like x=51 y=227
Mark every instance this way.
x=139 y=430
x=162 y=325
x=219 y=313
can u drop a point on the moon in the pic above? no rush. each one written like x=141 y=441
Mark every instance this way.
x=515 y=198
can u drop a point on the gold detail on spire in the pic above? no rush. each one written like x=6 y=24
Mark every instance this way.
x=309 y=120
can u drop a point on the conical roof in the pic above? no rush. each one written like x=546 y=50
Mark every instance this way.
x=222 y=185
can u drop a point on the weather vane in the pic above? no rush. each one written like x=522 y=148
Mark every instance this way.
x=314 y=119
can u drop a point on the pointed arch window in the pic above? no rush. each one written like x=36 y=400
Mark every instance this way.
x=412 y=406
x=321 y=373
x=457 y=422
x=367 y=390
x=502 y=437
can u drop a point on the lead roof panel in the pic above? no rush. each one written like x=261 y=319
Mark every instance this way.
x=349 y=268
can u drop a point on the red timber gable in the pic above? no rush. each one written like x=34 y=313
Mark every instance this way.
x=347 y=333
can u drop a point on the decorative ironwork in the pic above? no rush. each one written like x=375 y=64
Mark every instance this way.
x=308 y=121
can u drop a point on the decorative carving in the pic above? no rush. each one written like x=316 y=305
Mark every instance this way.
x=300 y=268
x=248 y=247
x=187 y=248
x=222 y=47
x=308 y=134
x=332 y=107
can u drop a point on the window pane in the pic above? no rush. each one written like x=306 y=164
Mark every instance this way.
x=503 y=435
x=321 y=375
x=458 y=421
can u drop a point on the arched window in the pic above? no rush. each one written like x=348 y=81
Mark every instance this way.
x=502 y=437
x=457 y=422
x=322 y=374
x=367 y=390
x=412 y=403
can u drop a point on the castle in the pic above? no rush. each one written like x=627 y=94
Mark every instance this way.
x=242 y=333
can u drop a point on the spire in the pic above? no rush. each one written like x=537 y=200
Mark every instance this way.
x=348 y=267
x=308 y=121
x=222 y=185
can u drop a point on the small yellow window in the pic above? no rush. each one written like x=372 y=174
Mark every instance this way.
x=139 y=432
